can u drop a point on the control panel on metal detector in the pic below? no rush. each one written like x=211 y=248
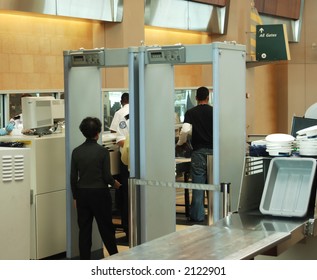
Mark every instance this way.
x=91 y=58
x=167 y=54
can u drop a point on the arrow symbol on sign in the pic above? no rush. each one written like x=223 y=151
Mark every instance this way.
x=261 y=30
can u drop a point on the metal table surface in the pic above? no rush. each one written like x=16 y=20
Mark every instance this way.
x=234 y=237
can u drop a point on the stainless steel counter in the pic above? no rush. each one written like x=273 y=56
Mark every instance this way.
x=244 y=234
x=238 y=236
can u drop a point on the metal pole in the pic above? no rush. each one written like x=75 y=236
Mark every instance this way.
x=225 y=189
x=69 y=198
x=133 y=225
x=133 y=110
x=216 y=130
x=210 y=193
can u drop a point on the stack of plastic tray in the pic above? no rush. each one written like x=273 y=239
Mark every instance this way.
x=288 y=187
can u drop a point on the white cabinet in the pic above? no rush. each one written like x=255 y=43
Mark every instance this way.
x=50 y=223
x=14 y=204
x=48 y=199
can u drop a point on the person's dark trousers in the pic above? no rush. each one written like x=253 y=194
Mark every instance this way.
x=95 y=203
x=124 y=197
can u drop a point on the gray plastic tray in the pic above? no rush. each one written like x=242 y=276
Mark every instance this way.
x=288 y=187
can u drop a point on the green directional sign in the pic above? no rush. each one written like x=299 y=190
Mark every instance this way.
x=272 y=42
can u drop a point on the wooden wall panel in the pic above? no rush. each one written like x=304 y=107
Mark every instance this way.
x=31 y=49
x=189 y=75
x=281 y=8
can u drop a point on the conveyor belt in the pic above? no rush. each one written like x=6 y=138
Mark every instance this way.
x=234 y=237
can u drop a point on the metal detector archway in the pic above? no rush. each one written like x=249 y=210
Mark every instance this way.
x=83 y=87
x=156 y=86
x=151 y=87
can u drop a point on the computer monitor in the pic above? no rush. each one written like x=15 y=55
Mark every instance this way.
x=37 y=113
x=58 y=109
x=299 y=123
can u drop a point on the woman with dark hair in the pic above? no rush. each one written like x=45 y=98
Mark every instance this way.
x=90 y=177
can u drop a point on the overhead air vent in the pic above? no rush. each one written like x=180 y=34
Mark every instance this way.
x=186 y=15
x=104 y=10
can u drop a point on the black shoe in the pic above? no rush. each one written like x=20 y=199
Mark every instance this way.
x=123 y=241
x=196 y=221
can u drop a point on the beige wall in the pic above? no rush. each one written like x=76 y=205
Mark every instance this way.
x=31 y=49
x=31 y=57
x=284 y=89
x=126 y=34
x=261 y=82
x=185 y=76
x=302 y=74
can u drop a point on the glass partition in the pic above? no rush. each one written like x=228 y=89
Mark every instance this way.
x=111 y=104
x=184 y=100
x=182 y=103
x=10 y=103
x=15 y=107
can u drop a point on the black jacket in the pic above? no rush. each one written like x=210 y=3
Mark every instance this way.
x=90 y=167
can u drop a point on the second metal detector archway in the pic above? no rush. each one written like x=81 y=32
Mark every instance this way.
x=156 y=130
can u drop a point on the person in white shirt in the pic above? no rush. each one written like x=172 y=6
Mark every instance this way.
x=15 y=124
x=120 y=125
x=123 y=111
x=7 y=129
x=122 y=131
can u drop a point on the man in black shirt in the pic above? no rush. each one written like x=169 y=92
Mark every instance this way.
x=90 y=177
x=199 y=123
